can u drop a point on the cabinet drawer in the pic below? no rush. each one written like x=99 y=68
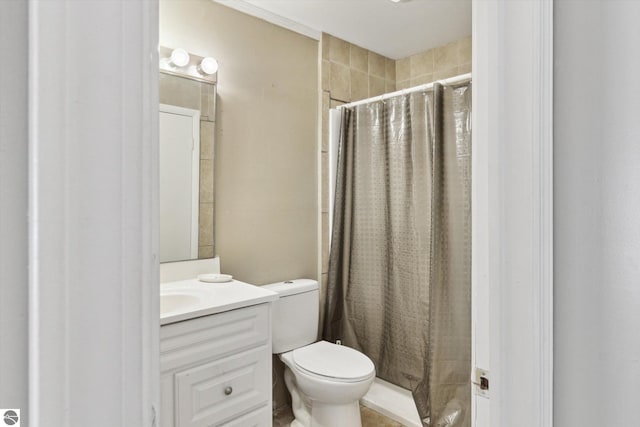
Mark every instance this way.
x=212 y=337
x=217 y=391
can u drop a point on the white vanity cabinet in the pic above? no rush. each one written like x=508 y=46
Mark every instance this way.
x=216 y=369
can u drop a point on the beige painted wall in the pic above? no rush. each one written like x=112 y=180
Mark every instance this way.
x=266 y=138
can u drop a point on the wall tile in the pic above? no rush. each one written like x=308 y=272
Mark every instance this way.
x=377 y=65
x=205 y=252
x=464 y=68
x=404 y=84
x=445 y=74
x=325 y=72
x=204 y=102
x=446 y=57
x=325 y=45
x=325 y=182
x=206 y=181
x=403 y=69
x=207 y=134
x=205 y=231
x=389 y=86
x=423 y=79
x=390 y=69
x=464 y=50
x=339 y=51
x=359 y=85
x=376 y=86
x=336 y=103
x=359 y=58
x=326 y=104
x=340 y=82
x=421 y=63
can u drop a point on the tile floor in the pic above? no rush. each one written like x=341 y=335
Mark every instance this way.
x=370 y=418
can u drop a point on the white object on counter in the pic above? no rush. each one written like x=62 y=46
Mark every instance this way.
x=215 y=278
x=189 y=299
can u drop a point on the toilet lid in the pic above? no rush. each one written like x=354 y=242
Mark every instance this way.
x=334 y=361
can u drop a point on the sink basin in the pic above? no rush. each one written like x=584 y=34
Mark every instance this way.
x=177 y=301
x=189 y=299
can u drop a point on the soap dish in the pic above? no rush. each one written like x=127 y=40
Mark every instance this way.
x=215 y=278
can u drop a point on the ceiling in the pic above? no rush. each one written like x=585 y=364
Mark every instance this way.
x=395 y=30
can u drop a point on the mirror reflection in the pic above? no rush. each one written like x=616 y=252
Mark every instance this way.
x=187 y=131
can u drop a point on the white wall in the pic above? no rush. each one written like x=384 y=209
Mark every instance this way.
x=13 y=205
x=597 y=213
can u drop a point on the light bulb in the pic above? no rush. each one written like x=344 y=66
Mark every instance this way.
x=179 y=57
x=208 y=66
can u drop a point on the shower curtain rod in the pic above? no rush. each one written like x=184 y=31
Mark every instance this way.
x=451 y=80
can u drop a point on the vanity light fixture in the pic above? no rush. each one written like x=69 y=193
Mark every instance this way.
x=180 y=62
x=179 y=57
x=208 y=66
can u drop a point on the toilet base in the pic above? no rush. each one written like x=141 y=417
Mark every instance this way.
x=310 y=413
x=323 y=415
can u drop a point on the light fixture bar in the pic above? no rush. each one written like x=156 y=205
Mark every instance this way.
x=179 y=62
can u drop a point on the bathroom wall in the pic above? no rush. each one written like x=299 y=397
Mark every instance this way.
x=438 y=63
x=596 y=204
x=351 y=73
x=13 y=208
x=200 y=96
x=266 y=138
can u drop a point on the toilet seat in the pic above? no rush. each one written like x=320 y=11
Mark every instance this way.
x=337 y=362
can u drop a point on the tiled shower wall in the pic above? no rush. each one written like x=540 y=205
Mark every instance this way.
x=350 y=73
x=438 y=63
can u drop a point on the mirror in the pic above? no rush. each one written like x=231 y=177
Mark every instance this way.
x=187 y=132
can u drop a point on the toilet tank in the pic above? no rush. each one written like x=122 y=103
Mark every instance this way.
x=295 y=314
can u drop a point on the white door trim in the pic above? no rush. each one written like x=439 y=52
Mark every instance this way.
x=93 y=213
x=513 y=210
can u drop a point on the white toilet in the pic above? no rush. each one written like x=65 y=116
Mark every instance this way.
x=326 y=380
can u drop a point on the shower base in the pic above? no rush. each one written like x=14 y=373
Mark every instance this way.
x=393 y=402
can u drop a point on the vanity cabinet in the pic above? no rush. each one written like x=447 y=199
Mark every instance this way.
x=216 y=369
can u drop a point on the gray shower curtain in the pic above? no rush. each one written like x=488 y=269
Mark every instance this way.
x=399 y=285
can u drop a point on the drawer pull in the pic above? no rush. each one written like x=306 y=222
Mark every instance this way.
x=228 y=391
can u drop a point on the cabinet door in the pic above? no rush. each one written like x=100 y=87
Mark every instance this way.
x=221 y=390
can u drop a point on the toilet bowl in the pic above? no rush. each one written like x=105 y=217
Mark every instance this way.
x=325 y=380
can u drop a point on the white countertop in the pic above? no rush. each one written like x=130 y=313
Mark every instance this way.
x=188 y=299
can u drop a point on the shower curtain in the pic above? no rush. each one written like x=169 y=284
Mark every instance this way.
x=399 y=285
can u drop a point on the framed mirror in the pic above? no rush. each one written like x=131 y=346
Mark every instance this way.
x=187 y=147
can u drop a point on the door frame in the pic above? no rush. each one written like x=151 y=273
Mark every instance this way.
x=512 y=276
x=512 y=192
x=93 y=213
